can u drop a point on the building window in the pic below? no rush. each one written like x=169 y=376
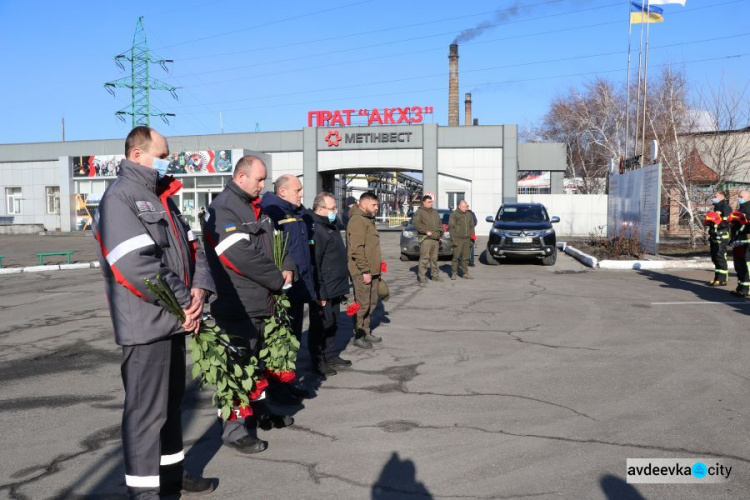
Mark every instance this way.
x=53 y=200
x=13 y=198
x=454 y=198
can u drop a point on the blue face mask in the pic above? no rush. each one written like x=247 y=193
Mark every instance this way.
x=715 y=200
x=161 y=166
x=331 y=217
x=741 y=201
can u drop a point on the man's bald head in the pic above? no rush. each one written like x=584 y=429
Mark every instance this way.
x=250 y=175
x=143 y=144
x=288 y=187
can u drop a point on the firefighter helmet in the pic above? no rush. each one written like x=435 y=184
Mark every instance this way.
x=737 y=217
x=713 y=218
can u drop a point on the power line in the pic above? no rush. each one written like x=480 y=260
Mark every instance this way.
x=359 y=33
x=485 y=84
x=435 y=49
x=293 y=18
x=395 y=42
x=256 y=65
x=492 y=68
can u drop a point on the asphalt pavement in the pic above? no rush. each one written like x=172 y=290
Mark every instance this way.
x=526 y=382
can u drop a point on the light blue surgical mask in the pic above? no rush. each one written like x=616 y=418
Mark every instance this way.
x=331 y=217
x=161 y=166
x=715 y=200
x=740 y=200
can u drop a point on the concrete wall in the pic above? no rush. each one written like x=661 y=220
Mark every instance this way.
x=32 y=177
x=484 y=166
x=580 y=214
x=284 y=163
x=481 y=161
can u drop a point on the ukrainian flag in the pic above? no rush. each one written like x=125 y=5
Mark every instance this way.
x=640 y=13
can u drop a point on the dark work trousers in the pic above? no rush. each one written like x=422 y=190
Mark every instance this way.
x=472 y=245
x=460 y=255
x=719 y=258
x=367 y=298
x=297 y=316
x=740 y=266
x=428 y=258
x=324 y=322
x=245 y=333
x=154 y=379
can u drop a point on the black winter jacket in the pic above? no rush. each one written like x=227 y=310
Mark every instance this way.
x=141 y=235
x=331 y=272
x=720 y=231
x=296 y=223
x=239 y=247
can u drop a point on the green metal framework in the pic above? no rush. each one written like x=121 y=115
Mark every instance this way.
x=140 y=82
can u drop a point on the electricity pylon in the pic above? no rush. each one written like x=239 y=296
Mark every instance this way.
x=140 y=83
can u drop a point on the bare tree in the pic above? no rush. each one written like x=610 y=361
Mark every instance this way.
x=592 y=126
x=721 y=135
x=702 y=144
x=668 y=114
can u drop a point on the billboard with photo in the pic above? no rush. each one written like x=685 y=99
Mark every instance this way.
x=180 y=163
x=96 y=166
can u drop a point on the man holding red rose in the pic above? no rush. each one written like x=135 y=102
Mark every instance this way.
x=363 y=254
x=239 y=243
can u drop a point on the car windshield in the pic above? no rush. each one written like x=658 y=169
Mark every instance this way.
x=522 y=214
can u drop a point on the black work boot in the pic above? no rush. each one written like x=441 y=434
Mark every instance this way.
x=325 y=369
x=248 y=445
x=338 y=362
x=196 y=486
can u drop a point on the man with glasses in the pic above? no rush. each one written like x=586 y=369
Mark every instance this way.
x=331 y=278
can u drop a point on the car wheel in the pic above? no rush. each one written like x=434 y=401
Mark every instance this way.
x=488 y=259
x=550 y=259
x=404 y=257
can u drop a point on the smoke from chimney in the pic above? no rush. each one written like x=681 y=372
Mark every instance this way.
x=467 y=111
x=453 y=86
x=497 y=18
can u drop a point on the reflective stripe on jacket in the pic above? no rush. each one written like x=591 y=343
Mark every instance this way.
x=141 y=234
x=297 y=226
x=239 y=247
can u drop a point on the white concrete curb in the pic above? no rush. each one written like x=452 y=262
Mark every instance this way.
x=659 y=264
x=583 y=258
x=54 y=267
x=590 y=261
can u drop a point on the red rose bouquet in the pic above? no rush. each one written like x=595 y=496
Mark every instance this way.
x=234 y=374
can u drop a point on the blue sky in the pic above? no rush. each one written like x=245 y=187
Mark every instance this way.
x=269 y=63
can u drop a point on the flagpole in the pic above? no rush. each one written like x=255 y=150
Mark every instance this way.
x=627 y=99
x=645 y=93
x=638 y=93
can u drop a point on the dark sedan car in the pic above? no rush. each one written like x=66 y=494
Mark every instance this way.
x=410 y=244
x=522 y=229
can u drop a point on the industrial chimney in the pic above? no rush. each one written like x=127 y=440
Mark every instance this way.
x=467 y=111
x=453 y=86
